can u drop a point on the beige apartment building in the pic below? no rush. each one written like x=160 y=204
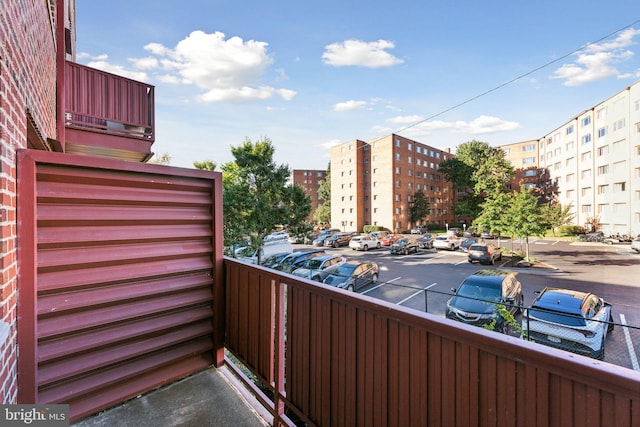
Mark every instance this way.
x=373 y=183
x=592 y=163
x=310 y=180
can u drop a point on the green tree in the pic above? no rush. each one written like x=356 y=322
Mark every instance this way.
x=558 y=215
x=420 y=207
x=492 y=217
x=479 y=171
x=323 y=211
x=256 y=195
x=525 y=217
x=206 y=165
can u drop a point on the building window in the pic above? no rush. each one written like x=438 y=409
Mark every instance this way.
x=507 y=151
x=528 y=161
x=397 y=143
x=529 y=147
x=586 y=209
x=586 y=192
x=619 y=124
x=570 y=177
x=398 y=184
x=602 y=132
x=409 y=160
x=529 y=186
x=603 y=189
x=409 y=146
x=397 y=197
x=397 y=156
x=530 y=172
x=569 y=161
x=570 y=130
x=586 y=174
x=586 y=139
x=410 y=185
x=603 y=170
x=586 y=156
x=586 y=121
x=619 y=187
x=603 y=151
x=397 y=171
x=569 y=146
x=410 y=172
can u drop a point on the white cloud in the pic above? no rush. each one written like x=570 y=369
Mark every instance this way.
x=598 y=61
x=360 y=53
x=224 y=69
x=349 y=105
x=478 y=126
x=332 y=143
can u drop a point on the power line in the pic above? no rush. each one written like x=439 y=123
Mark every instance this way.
x=500 y=86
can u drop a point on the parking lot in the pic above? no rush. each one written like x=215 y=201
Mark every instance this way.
x=423 y=282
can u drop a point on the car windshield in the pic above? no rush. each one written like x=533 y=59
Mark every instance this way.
x=479 y=292
x=558 y=317
x=345 y=270
x=402 y=241
x=313 y=263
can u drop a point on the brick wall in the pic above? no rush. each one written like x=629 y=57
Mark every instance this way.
x=27 y=86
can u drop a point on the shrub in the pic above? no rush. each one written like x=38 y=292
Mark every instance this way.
x=569 y=230
x=371 y=228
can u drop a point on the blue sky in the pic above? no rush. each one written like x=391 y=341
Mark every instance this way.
x=310 y=74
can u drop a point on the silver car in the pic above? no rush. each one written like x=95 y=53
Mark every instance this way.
x=320 y=267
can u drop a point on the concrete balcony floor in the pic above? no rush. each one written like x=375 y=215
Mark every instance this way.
x=210 y=398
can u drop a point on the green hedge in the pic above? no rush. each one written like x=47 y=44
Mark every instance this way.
x=371 y=228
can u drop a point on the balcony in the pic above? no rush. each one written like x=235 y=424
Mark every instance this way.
x=323 y=356
x=107 y=115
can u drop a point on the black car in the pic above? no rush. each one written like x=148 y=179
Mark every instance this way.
x=426 y=241
x=353 y=275
x=274 y=259
x=404 y=246
x=338 y=239
x=464 y=246
x=480 y=297
x=296 y=259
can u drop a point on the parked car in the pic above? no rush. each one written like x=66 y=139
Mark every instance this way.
x=453 y=231
x=353 y=275
x=464 y=246
x=404 y=246
x=486 y=235
x=320 y=267
x=364 y=243
x=426 y=241
x=296 y=259
x=272 y=260
x=389 y=239
x=479 y=296
x=323 y=235
x=420 y=229
x=635 y=244
x=450 y=242
x=570 y=320
x=338 y=239
x=270 y=248
x=484 y=253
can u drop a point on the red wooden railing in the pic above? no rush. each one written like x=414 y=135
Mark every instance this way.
x=335 y=358
x=101 y=101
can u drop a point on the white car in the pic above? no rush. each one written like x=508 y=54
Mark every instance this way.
x=569 y=320
x=635 y=244
x=319 y=268
x=364 y=243
x=450 y=242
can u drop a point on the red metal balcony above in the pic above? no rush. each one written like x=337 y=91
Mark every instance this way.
x=107 y=115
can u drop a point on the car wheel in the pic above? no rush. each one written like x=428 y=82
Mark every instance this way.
x=316 y=278
x=452 y=248
x=350 y=288
x=406 y=252
x=336 y=245
x=365 y=248
x=378 y=245
x=500 y=257
x=470 y=261
x=493 y=261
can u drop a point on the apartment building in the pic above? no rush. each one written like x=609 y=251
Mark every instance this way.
x=375 y=182
x=592 y=162
x=310 y=180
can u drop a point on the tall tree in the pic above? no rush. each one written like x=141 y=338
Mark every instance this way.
x=420 y=207
x=525 y=217
x=323 y=211
x=256 y=195
x=558 y=215
x=479 y=171
x=206 y=165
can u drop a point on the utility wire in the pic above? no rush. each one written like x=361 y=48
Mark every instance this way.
x=500 y=86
